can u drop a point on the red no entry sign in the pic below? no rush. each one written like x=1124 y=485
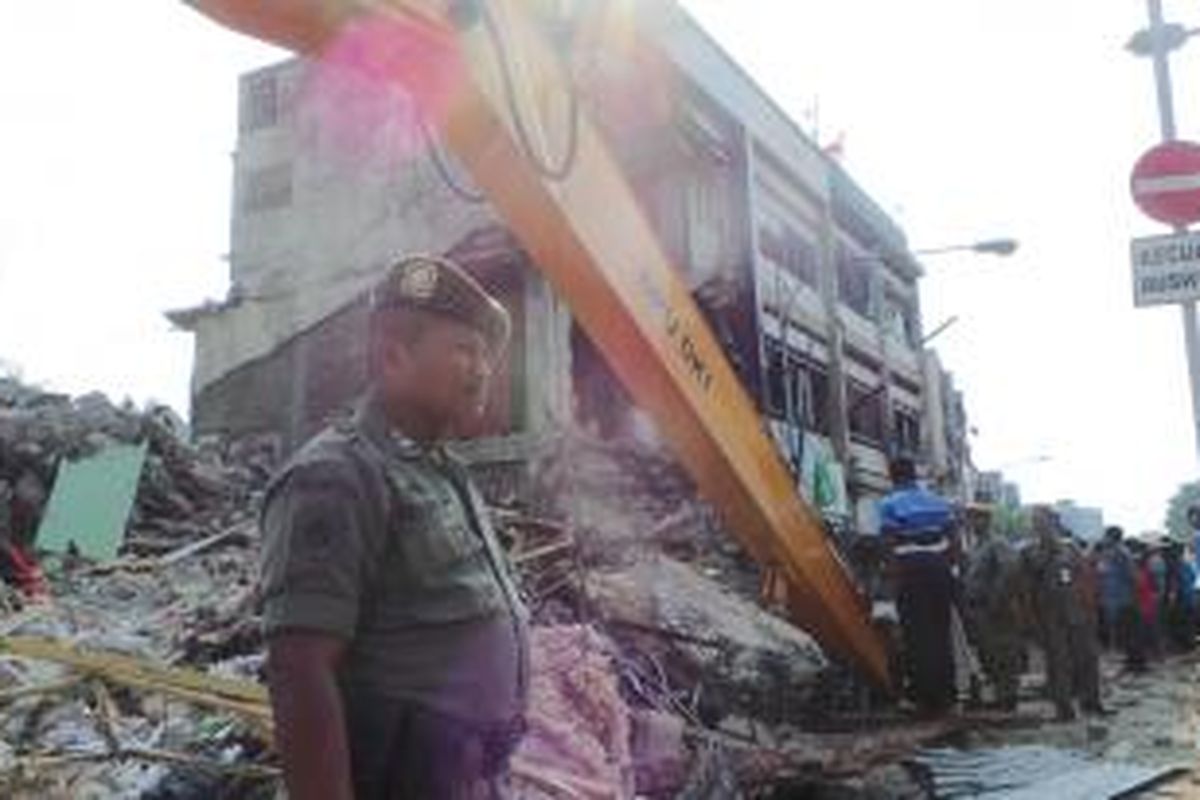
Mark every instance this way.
x=1166 y=183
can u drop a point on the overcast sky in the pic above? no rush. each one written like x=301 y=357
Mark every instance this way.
x=965 y=119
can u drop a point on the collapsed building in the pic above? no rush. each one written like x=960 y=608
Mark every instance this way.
x=655 y=673
x=139 y=673
x=808 y=284
x=645 y=638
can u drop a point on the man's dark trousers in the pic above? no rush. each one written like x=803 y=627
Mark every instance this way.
x=923 y=600
x=402 y=752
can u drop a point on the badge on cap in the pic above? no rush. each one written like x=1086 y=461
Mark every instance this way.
x=419 y=281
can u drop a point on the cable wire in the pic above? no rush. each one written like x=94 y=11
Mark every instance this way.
x=441 y=163
x=549 y=171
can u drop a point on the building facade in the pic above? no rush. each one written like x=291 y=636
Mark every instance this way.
x=1084 y=522
x=807 y=283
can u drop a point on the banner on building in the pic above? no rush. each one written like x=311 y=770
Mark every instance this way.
x=823 y=481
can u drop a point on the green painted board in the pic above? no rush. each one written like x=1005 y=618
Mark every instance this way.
x=90 y=503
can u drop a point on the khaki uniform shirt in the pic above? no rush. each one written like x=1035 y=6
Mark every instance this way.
x=373 y=538
x=1058 y=584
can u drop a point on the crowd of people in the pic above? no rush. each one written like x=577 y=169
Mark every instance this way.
x=965 y=594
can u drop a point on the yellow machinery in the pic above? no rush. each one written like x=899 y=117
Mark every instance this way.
x=586 y=232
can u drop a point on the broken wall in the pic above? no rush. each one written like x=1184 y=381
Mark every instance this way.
x=316 y=374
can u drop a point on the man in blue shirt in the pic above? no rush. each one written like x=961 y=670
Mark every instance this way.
x=918 y=528
x=1117 y=576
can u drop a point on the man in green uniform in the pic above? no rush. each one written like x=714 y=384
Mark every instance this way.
x=397 y=643
x=994 y=598
x=1059 y=588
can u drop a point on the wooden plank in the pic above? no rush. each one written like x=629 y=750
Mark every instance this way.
x=135 y=671
x=246 y=699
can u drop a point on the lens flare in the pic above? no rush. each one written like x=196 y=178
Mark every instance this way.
x=372 y=86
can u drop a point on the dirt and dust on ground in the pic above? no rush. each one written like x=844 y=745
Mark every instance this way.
x=657 y=673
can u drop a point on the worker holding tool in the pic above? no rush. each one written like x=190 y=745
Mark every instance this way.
x=397 y=643
x=918 y=528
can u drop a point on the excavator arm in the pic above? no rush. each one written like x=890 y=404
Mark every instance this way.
x=584 y=229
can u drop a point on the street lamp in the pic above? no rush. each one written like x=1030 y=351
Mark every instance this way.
x=1000 y=247
x=1164 y=38
x=938 y=331
x=996 y=247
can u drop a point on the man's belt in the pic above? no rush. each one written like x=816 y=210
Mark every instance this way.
x=940 y=545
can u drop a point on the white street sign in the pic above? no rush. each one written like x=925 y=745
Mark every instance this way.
x=1166 y=269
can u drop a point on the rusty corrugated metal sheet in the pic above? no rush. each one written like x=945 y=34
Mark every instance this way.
x=1033 y=772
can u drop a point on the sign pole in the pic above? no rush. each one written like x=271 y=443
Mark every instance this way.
x=1166 y=118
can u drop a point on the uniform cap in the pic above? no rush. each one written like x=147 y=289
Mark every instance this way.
x=439 y=286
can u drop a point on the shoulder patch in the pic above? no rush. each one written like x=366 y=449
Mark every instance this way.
x=319 y=514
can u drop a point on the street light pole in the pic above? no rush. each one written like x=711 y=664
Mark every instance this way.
x=1159 y=46
x=997 y=247
x=794 y=417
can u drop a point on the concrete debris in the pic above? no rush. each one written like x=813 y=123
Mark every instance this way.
x=628 y=500
x=743 y=659
x=186 y=492
x=713 y=777
x=118 y=695
x=93 y=707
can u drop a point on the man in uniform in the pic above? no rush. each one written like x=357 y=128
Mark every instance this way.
x=397 y=653
x=1065 y=620
x=1117 y=580
x=918 y=529
x=994 y=599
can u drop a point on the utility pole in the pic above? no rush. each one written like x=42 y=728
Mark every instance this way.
x=1160 y=44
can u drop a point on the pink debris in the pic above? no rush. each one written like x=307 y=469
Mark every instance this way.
x=579 y=726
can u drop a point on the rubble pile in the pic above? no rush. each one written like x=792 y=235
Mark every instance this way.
x=180 y=595
x=655 y=569
x=655 y=671
x=740 y=660
x=184 y=493
x=628 y=500
x=545 y=554
x=80 y=724
x=714 y=683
